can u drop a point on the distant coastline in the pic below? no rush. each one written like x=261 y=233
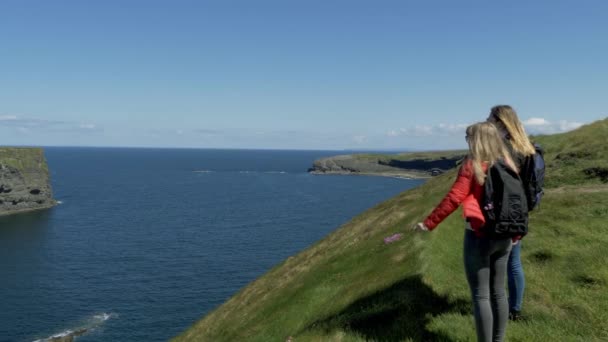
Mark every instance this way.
x=398 y=174
x=414 y=165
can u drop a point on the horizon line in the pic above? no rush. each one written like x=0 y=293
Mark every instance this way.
x=396 y=150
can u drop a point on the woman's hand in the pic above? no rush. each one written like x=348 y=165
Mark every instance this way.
x=420 y=227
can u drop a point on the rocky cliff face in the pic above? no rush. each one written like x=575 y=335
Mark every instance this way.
x=412 y=166
x=24 y=180
x=348 y=164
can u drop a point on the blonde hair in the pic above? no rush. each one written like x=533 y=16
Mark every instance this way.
x=519 y=139
x=486 y=146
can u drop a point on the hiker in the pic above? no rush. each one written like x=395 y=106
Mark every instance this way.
x=515 y=138
x=485 y=259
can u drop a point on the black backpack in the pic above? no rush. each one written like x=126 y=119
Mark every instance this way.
x=533 y=177
x=504 y=203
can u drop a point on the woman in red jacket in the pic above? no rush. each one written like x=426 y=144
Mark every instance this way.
x=485 y=260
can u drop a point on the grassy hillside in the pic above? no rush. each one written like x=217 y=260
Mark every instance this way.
x=352 y=287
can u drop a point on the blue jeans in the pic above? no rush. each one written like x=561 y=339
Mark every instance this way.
x=485 y=263
x=517 y=283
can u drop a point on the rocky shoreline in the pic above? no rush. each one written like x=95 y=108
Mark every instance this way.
x=27 y=210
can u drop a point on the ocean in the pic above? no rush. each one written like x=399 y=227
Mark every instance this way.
x=147 y=241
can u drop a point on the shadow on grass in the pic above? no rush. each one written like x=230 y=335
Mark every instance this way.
x=397 y=313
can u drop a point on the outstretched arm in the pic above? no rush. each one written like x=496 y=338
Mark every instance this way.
x=459 y=191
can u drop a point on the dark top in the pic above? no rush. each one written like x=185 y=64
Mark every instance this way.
x=518 y=158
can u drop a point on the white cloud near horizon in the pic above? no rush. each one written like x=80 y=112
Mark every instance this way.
x=207 y=131
x=88 y=126
x=18 y=120
x=441 y=129
x=25 y=124
x=360 y=139
x=535 y=122
x=544 y=126
x=534 y=125
x=392 y=133
x=24 y=129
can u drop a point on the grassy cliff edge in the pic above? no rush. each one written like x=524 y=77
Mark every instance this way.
x=350 y=286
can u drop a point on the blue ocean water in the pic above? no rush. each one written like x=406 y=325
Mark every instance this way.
x=146 y=241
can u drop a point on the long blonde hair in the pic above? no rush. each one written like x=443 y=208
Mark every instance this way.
x=486 y=146
x=519 y=139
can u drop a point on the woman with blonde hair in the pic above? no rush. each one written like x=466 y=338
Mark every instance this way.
x=485 y=259
x=512 y=130
x=515 y=137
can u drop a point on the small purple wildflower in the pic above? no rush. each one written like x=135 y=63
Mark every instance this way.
x=393 y=238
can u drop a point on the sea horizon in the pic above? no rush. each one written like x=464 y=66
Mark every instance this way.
x=362 y=150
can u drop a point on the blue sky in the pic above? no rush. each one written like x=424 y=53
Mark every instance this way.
x=294 y=74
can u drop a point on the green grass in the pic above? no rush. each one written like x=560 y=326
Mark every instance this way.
x=570 y=154
x=28 y=160
x=22 y=158
x=352 y=287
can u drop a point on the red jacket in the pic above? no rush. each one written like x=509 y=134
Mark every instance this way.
x=466 y=191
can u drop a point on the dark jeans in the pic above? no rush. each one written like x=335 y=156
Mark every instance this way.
x=515 y=274
x=485 y=263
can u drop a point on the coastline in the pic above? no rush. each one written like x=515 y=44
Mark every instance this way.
x=27 y=210
x=416 y=165
x=402 y=175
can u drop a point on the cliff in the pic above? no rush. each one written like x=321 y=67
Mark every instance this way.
x=24 y=180
x=409 y=165
x=351 y=286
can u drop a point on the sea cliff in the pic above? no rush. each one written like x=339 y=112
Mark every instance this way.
x=403 y=165
x=24 y=180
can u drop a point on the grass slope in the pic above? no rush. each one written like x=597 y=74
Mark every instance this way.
x=28 y=160
x=352 y=287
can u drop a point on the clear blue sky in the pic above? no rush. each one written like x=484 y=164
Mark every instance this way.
x=315 y=74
